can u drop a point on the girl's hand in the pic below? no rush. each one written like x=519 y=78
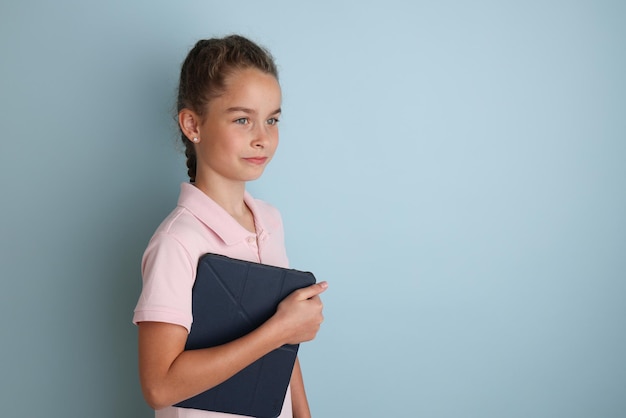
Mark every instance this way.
x=299 y=315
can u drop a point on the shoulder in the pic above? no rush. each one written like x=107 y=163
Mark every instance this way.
x=178 y=241
x=182 y=226
x=169 y=245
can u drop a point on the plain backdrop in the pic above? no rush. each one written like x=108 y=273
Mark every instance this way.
x=456 y=170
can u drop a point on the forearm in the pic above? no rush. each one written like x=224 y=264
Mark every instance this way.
x=299 y=400
x=194 y=371
x=170 y=374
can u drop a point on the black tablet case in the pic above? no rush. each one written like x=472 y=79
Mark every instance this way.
x=231 y=298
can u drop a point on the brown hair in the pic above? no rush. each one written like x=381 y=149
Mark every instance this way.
x=204 y=72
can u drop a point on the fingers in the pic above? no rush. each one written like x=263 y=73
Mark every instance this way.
x=311 y=291
x=300 y=314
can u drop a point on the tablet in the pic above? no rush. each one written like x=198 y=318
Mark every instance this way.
x=230 y=298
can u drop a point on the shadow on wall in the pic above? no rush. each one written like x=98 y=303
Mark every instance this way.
x=144 y=191
x=120 y=255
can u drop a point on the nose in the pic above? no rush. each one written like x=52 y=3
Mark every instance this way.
x=261 y=137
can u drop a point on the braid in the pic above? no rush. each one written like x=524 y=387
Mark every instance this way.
x=190 y=153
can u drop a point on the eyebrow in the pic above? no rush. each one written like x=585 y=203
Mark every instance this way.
x=249 y=111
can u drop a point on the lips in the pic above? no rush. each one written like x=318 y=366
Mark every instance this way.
x=256 y=160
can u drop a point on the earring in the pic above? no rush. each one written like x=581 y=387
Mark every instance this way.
x=195 y=140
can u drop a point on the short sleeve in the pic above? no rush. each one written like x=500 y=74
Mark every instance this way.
x=168 y=276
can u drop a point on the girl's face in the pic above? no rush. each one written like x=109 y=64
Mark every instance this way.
x=239 y=133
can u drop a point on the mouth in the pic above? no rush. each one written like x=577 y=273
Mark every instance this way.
x=256 y=160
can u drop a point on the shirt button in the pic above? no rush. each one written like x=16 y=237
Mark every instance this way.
x=251 y=240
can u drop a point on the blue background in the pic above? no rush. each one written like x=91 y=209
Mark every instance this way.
x=455 y=170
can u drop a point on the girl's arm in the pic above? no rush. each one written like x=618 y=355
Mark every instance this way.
x=298 y=395
x=169 y=374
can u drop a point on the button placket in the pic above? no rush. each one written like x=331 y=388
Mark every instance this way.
x=252 y=243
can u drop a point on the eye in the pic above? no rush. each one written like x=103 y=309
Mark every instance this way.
x=272 y=121
x=241 y=121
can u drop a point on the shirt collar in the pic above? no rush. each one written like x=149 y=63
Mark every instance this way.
x=216 y=218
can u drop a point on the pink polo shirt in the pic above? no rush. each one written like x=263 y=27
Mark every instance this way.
x=195 y=227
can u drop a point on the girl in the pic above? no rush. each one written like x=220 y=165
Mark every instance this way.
x=229 y=104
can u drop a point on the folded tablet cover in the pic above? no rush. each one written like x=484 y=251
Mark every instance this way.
x=231 y=298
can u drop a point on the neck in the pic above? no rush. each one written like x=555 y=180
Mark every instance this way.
x=229 y=195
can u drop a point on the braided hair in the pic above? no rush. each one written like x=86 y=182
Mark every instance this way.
x=204 y=72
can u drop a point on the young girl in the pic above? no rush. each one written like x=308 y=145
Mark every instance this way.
x=229 y=104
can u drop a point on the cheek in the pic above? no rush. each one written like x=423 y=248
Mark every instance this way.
x=276 y=141
x=226 y=145
x=273 y=146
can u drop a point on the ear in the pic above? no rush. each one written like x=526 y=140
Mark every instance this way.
x=189 y=123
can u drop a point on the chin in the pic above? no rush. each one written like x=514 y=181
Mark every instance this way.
x=253 y=176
